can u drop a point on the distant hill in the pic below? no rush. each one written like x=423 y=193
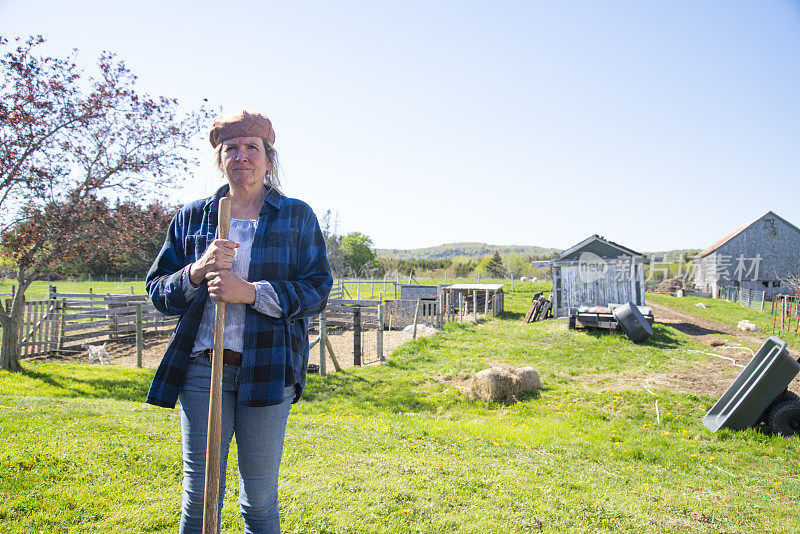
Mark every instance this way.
x=480 y=250
x=464 y=250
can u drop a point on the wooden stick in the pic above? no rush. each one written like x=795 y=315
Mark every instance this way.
x=214 y=431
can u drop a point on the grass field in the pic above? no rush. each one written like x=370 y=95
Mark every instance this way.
x=397 y=448
x=719 y=311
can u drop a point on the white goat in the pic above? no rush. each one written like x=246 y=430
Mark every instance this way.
x=97 y=351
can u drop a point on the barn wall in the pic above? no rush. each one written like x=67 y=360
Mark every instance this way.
x=705 y=278
x=619 y=284
x=778 y=244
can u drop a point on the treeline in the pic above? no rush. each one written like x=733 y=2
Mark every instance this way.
x=120 y=239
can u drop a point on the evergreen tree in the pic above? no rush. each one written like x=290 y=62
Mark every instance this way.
x=494 y=267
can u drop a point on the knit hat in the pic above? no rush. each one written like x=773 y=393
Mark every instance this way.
x=242 y=124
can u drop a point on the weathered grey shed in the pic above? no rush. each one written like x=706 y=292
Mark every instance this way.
x=418 y=291
x=595 y=272
x=758 y=255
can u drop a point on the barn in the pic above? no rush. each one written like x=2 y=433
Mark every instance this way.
x=758 y=255
x=595 y=272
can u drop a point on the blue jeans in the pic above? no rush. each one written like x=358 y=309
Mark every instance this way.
x=259 y=439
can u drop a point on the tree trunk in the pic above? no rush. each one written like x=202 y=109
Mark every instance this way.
x=9 y=351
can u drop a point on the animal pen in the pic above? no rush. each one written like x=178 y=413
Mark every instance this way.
x=348 y=332
x=63 y=322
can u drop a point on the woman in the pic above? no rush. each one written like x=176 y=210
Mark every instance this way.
x=273 y=273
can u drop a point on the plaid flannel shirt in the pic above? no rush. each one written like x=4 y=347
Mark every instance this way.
x=288 y=252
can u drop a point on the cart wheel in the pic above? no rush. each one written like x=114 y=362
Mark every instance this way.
x=790 y=396
x=571 y=322
x=784 y=419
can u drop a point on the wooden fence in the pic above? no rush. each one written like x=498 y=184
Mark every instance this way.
x=400 y=313
x=63 y=322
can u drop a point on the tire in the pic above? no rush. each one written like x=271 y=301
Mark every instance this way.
x=790 y=396
x=784 y=419
x=571 y=323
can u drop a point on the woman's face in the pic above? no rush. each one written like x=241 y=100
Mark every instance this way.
x=244 y=161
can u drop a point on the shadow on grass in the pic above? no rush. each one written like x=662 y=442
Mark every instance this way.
x=663 y=337
x=124 y=388
x=516 y=316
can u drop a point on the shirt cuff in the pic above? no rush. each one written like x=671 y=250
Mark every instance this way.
x=189 y=290
x=267 y=300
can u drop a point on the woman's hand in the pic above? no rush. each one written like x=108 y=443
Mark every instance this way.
x=224 y=286
x=218 y=256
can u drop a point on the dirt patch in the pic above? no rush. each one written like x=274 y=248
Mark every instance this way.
x=710 y=376
x=707 y=377
x=123 y=352
x=707 y=332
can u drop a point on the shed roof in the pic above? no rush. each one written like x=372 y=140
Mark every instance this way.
x=738 y=231
x=596 y=240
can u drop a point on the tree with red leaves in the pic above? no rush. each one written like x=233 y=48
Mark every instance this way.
x=68 y=139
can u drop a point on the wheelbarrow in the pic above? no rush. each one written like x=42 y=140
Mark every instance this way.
x=760 y=395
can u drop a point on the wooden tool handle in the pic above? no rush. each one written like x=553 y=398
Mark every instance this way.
x=214 y=432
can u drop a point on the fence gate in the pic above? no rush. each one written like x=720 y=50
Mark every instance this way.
x=38 y=328
x=787 y=315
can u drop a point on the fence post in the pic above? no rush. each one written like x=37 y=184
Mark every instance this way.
x=138 y=334
x=460 y=307
x=323 y=341
x=475 y=304
x=486 y=304
x=416 y=318
x=357 y=336
x=379 y=340
x=61 y=320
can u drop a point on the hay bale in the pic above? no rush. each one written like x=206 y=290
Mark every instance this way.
x=501 y=382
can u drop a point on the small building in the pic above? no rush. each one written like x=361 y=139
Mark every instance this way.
x=419 y=291
x=595 y=272
x=758 y=255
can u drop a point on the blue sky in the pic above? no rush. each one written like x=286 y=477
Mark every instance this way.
x=659 y=125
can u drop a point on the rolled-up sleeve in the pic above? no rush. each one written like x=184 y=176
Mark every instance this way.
x=267 y=301
x=189 y=289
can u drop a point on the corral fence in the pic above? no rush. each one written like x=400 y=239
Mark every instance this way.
x=63 y=322
x=787 y=319
x=749 y=298
x=351 y=315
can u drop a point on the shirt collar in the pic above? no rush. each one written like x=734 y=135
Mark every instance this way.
x=273 y=199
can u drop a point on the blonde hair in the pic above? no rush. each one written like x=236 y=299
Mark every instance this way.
x=272 y=179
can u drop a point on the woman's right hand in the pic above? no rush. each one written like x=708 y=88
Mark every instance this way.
x=218 y=256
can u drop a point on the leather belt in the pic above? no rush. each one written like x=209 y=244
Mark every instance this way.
x=229 y=357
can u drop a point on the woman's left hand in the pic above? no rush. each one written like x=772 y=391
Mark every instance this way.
x=224 y=286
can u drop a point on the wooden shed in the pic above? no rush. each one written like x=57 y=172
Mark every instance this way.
x=595 y=272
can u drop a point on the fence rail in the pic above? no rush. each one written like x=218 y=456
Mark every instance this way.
x=64 y=321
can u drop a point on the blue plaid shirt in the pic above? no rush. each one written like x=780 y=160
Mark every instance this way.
x=288 y=252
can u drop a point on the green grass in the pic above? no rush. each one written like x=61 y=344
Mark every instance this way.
x=718 y=311
x=397 y=448
x=39 y=289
